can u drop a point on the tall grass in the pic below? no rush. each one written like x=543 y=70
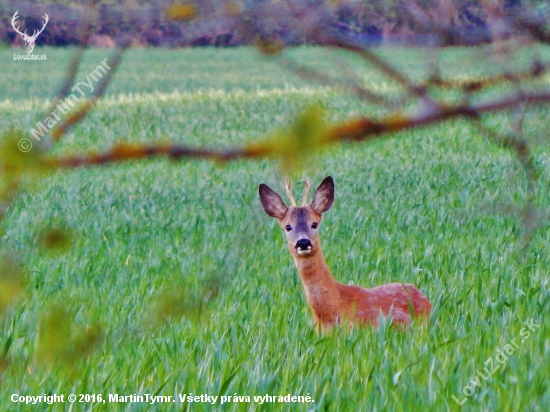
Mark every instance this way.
x=437 y=207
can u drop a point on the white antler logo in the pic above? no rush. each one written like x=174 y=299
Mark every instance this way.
x=29 y=40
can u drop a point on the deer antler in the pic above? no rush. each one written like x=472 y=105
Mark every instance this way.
x=46 y=20
x=13 y=20
x=291 y=196
x=35 y=32
x=289 y=191
x=306 y=192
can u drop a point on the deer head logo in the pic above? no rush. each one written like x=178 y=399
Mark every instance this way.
x=29 y=40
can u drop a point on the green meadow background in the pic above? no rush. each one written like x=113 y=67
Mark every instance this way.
x=174 y=281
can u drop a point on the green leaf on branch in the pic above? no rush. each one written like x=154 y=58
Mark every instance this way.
x=296 y=145
x=12 y=283
x=18 y=158
x=61 y=342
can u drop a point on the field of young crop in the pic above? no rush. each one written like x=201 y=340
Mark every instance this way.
x=168 y=279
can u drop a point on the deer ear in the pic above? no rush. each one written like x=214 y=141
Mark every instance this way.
x=272 y=202
x=324 y=196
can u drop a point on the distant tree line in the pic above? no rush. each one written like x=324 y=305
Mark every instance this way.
x=223 y=24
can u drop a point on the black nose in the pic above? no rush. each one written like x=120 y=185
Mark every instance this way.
x=303 y=244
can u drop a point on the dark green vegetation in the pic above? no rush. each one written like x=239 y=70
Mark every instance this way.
x=437 y=207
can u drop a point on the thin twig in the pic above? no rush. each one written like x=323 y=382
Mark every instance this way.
x=317 y=76
x=75 y=117
x=357 y=129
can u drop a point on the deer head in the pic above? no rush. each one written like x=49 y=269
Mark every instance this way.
x=29 y=40
x=300 y=223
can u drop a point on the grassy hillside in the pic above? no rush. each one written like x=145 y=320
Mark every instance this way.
x=437 y=207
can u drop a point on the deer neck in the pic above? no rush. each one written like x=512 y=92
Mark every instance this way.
x=321 y=288
x=313 y=269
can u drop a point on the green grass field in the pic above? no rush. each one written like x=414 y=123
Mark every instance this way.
x=438 y=207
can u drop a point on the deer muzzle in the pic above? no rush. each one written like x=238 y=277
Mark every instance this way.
x=303 y=247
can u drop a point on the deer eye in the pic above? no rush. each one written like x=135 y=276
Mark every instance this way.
x=288 y=228
x=314 y=225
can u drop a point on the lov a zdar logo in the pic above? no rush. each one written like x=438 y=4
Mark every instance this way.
x=29 y=40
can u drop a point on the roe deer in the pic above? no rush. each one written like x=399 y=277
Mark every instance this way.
x=332 y=302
